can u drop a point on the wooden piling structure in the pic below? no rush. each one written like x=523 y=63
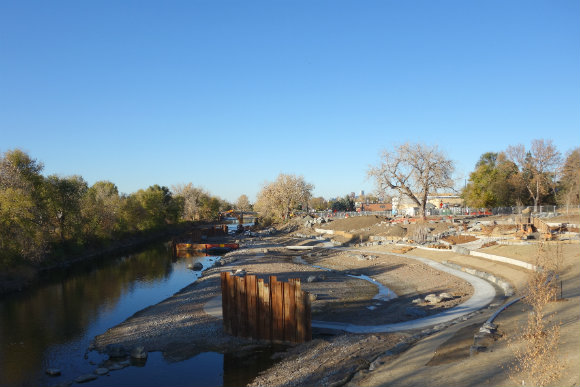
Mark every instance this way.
x=277 y=312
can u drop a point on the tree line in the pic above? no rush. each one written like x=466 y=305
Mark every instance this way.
x=50 y=217
x=525 y=176
x=517 y=176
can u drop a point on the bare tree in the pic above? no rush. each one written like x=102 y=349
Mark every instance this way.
x=414 y=171
x=538 y=166
x=243 y=203
x=279 y=198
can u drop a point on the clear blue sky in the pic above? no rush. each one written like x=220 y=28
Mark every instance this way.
x=227 y=95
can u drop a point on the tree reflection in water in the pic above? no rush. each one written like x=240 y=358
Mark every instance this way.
x=52 y=324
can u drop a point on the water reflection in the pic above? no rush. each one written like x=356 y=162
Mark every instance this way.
x=52 y=324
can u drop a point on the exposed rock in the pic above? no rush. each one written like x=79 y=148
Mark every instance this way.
x=433 y=299
x=85 y=378
x=311 y=278
x=139 y=353
x=475 y=349
x=197 y=266
x=101 y=371
x=53 y=371
x=446 y=296
x=116 y=351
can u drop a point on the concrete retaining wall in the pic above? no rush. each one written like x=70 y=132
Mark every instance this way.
x=498 y=258
x=504 y=285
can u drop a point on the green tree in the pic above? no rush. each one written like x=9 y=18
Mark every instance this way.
x=318 y=204
x=159 y=207
x=101 y=210
x=492 y=183
x=23 y=231
x=63 y=197
x=344 y=204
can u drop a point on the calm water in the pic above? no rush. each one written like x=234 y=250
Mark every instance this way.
x=52 y=325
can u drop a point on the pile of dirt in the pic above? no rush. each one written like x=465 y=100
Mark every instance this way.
x=459 y=239
x=394 y=231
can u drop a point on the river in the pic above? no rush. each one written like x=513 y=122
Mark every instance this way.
x=52 y=324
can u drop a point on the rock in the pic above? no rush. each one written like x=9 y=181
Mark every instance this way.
x=433 y=299
x=475 y=349
x=446 y=296
x=139 y=353
x=311 y=278
x=101 y=371
x=490 y=326
x=313 y=297
x=197 y=266
x=240 y=273
x=118 y=366
x=53 y=371
x=417 y=301
x=85 y=378
x=115 y=351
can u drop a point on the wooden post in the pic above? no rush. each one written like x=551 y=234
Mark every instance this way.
x=277 y=302
x=299 y=297
x=289 y=312
x=264 y=313
x=226 y=302
x=307 y=316
x=252 y=295
x=279 y=312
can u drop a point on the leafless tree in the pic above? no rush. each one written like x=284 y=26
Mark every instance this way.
x=538 y=166
x=243 y=203
x=279 y=198
x=414 y=171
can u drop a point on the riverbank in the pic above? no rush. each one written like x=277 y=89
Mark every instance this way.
x=180 y=328
x=23 y=276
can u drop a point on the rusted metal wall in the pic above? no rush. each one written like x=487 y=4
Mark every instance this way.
x=277 y=312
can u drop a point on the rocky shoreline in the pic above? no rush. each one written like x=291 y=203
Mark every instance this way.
x=180 y=328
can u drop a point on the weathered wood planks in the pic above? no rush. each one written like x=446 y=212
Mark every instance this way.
x=277 y=312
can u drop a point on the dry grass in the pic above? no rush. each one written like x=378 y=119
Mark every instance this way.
x=536 y=351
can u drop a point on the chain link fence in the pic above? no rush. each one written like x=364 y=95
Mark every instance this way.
x=538 y=211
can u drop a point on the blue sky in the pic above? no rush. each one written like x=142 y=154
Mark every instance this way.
x=227 y=95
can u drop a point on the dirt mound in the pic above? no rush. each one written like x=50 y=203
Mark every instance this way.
x=353 y=223
x=396 y=231
x=459 y=239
